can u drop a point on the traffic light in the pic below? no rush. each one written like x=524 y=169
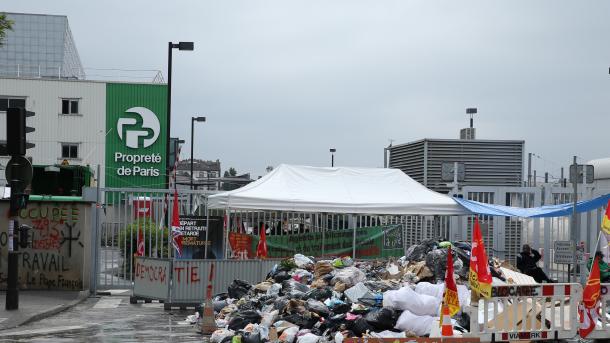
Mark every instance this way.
x=16 y=130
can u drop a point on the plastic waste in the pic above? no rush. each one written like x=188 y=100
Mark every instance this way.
x=349 y=276
x=302 y=261
x=308 y=338
x=268 y=318
x=219 y=335
x=420 y=325
x=239 y=288
x=290 y=285
x=322 y=268
x=361 y=326
x=244 y=318
x=357 y=292
x=320 y=293
x=281 y=276
x=407 y=299
x=236 y=339
x=338 y=337
x=338 y=263
x=383 y=319
x=289 y=334
x=317 y=307
x=274 y=289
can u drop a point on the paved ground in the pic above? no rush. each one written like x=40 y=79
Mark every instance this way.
x=34 y=305
x=108 y=319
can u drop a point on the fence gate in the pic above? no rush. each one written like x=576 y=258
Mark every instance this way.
x=121 y=213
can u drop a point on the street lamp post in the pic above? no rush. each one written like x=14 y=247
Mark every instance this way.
x=189 y=46
x=193 y=120
x=332 y=156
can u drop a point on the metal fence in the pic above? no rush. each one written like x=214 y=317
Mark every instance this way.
x=121 y=211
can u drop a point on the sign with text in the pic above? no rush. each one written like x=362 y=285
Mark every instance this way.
x=194 y=241
x=151 y=279
x=564 y=252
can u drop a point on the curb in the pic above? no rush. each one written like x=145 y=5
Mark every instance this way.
x=82 y=295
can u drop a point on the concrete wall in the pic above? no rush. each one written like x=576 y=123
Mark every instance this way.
x=59 y=252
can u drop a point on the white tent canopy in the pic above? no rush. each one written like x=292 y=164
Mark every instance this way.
x=337 y=190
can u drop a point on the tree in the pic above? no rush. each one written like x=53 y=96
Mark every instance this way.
x=5 y=24
x=269 y=169
x=228 y=186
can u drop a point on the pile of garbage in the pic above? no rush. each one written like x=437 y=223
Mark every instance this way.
x=304 y=300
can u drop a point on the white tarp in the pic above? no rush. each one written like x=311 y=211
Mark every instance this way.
x=338 y=190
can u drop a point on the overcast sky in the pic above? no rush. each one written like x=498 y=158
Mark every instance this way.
x=284 y=81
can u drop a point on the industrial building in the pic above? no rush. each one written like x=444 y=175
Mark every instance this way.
x=119 y=126
x=481 y=162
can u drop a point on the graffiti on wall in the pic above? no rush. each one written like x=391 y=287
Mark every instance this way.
x=54 y=256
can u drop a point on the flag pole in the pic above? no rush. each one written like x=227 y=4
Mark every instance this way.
x=599 y=236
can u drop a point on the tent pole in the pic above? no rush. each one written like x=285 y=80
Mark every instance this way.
x=226 y=232
x=354 y=237
x=323 y=224
x=207 y=228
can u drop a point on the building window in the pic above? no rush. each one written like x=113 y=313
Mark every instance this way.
x=69 y=150
x=6 y=102
x=69 y=106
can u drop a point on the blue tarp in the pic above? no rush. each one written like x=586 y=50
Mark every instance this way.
x=534 y=212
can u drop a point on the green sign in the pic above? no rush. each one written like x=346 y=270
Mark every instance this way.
x=371 y=242
x=136 y=116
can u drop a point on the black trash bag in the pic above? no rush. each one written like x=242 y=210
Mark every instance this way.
x=249 y=337
x=317 y=307
x=281 y=276
x=384 y=319
x=360 y=326
x=377 y=286
x=419 y=251
x=328 y=277
x=436 y=261
x=219 y=305
x=244 y=318
x=247 y=306
x=342 y=308
x=301 y=320
x=292 y=285
x=220 y=296
x=333 y=322
x=297 y=295
x=264 y=299
x=463 y=320
x=320 y=293
x=239 y=288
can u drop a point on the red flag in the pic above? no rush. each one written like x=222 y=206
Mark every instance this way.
x=176 y=231
x=450 y=298
x=480 y=275
x=590 y=298
x=140 y=249
x=261 y=249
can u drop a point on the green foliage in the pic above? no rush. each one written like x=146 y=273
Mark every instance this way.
x=5 y=24
x=155 y=241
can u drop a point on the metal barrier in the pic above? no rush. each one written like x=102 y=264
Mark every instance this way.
x=180 y=282
x=189 y=277
x=603 y=331
x=152 y=278
x=527 y=312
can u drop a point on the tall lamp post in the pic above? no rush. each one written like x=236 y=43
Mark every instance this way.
x=193 y=120
x=189 y=46
x=332 y=156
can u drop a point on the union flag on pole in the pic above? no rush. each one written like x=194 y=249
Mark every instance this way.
x=587 y=311
x=140 y=249
x=480 y=275
x=450 y=298
x=606 y=220
x=176 y=231
x=261 y=249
